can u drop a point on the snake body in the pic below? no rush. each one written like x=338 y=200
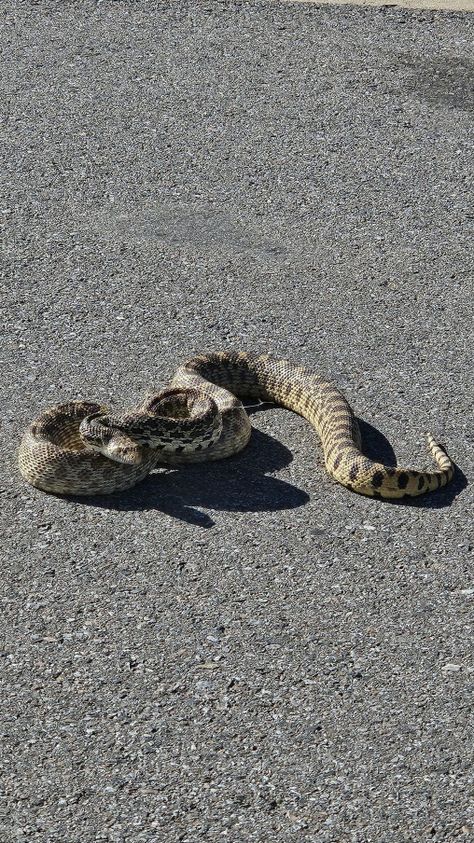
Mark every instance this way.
x=73 y=448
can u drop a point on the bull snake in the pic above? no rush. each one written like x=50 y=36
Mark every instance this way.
x=77 y=448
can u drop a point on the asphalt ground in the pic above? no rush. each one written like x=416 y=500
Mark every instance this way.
x=243 y=651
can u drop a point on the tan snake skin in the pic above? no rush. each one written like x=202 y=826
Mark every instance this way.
x=55 y=457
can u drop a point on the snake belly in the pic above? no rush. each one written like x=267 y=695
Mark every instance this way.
x=55 y=460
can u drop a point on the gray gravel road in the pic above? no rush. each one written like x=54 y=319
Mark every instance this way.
x=244 y=651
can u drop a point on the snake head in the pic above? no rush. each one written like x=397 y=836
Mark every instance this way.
x=99 y=434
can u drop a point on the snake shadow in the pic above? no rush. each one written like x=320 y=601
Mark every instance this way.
x=241 y=483
x=237 y=484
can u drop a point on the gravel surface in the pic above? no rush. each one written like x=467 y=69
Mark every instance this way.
x=245 y=651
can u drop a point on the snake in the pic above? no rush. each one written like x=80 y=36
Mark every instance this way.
x=80 y=448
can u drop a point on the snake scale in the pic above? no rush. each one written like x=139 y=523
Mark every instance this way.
x=77 y=448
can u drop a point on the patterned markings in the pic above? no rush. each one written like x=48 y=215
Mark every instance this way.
x=354 y=470
x=403 y=480
x=339 y=437
x=377 y=479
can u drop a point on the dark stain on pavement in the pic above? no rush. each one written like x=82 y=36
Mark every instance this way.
x=447 y=80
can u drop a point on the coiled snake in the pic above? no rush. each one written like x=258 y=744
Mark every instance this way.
x=78 y=449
